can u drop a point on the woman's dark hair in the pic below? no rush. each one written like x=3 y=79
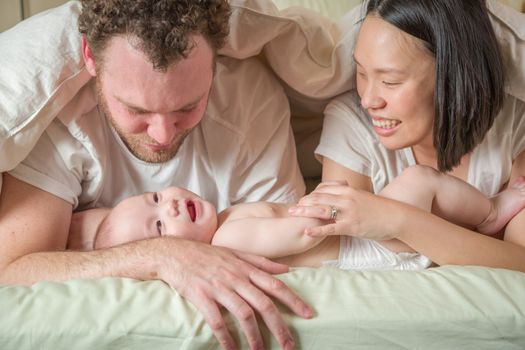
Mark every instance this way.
x=470 y=78
x=159 y=28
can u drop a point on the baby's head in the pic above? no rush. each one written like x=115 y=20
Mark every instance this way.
x=171 y=212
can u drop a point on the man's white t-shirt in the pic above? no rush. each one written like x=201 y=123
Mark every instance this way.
x=243 y=150
x=348 y=138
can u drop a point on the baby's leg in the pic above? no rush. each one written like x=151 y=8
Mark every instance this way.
x=455 y=200
x=444 y=195
x=416 y=186
x=505 y=205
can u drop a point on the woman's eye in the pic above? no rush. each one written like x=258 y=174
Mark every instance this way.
x=155 y=197
x=159 y=227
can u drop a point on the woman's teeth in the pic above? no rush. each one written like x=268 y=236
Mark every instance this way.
x=385 y=123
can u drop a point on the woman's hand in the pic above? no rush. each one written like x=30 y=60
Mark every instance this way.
x=357 y=213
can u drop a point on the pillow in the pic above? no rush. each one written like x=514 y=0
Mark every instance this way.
x=517 y=4
x=333 y=9
x=509 y=26
x=41 y=69
x=336 y=8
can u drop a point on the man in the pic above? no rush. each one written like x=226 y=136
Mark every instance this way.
x=161 y=110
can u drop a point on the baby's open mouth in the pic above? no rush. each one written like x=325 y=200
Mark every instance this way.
x=191 y=210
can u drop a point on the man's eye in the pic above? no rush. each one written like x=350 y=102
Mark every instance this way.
x=136 y=112
x=159 y=227
x=155 y=197
x=188 y=110
x=390 y=83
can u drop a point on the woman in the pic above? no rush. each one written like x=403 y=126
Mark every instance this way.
x=266 y=229
x=430 y=91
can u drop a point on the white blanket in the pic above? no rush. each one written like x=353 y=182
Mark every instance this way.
x=42 y=68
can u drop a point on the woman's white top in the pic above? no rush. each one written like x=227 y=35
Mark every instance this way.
x=348 y=138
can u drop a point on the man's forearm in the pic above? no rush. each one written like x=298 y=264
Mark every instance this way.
x=34 y=227
x=134 y=260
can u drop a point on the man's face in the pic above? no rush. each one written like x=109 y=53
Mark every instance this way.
x=154 y=111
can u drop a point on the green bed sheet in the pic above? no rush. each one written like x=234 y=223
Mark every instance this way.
x=439 y=308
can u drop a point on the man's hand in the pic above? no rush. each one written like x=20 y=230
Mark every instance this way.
x=34 y=227
x=210 y=277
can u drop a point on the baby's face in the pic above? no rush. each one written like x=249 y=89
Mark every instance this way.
x=171 y=212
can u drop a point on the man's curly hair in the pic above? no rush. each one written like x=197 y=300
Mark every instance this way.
x=161 y=29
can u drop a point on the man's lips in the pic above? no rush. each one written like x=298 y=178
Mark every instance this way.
x=158 y=148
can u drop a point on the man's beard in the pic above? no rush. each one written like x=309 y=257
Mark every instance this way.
x=136 y=142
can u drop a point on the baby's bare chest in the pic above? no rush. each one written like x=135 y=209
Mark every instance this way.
x=256 y=209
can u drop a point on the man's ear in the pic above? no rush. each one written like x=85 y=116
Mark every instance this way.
x=89 y=58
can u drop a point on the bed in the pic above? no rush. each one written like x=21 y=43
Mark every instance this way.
x=439 y=308
x=447 y=307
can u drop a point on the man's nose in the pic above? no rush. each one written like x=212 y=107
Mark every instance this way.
x=162 y=129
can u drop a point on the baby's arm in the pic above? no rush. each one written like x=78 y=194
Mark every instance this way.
x=84 y=227
x=271 y=237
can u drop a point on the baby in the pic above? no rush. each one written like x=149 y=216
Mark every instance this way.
x=260 y=228
x=268 y=230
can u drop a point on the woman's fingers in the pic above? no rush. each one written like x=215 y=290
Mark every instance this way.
x=351 y=211
x=323 y=212
x=325 y=230
x=320 y=198
x=328 y=195
x=325 y=206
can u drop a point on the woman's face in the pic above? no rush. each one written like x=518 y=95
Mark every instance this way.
x=171 y=212
x=395 y=80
